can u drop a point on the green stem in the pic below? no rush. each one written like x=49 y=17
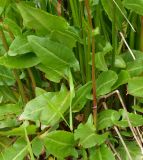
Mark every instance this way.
x=114 y=36
x=132 y=33
x=4 y=41
x=20 y=86
x=32 y=79
x=74 y=12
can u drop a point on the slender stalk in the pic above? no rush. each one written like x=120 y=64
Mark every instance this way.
x=114 y=36
x=29 y=144
x=59 y=9
x=4 y=41
x=74 y=12
x=132 y=33
x=77 y=22
x=32 y=79
x=20 y=86
x=93 y=65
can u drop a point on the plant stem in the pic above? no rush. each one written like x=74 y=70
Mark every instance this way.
x=114 y=36
x=93 y=65
x=2 y=36
x=20 y=86
x=29 y=144
x=32 y=79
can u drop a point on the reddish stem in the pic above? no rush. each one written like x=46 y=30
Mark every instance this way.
x=93 y=65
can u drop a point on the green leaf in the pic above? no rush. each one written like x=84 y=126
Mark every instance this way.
x=80 y=100
x=3 y=4
x=63 y=38
x=15 y=152
x=39 y=91
x=123 y=78
x=119 y=62
x=22 y=61
x=12 y=26
x=6 y=76
x=109 y=8
x=49 y=51
x=128 y=58
x=107 y=118
x=135 y=119
x=37 y=146
x=136 y=6
x=50 y=74
x=135 y=86
x=19 y=46
x=105 y=81
x=40 y=20
x=100 y=61
x=19 y=131
x=135 y=68
x=60 y=144
x=86 y=135
x=101 y=153
x=9 y=109
x=9 y=122
x=48 y=108
x=138 y=108
x=133 y=149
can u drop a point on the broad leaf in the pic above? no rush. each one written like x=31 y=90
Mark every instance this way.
x=15 y=152
x=138 y=108
x=60 y=144
x=135 y=68
x=39 y=20
x=100 y=61
x=80 y=100
x=12 y=26
x=86 y=135
x=101 y=153
x=119 y=62
x=136 y=6
x=19 y=46
x=135 y=86
x=22 y=61
x=105 y=81
x=50 y=74
x=133 y=149
x=123 y=78
x=49 y=51
x=9 y=109
x=6 y=76
x=48 y=108
x=109 y=8
x=107 y=118
x=135 y=119
x=37 y=146
x=19 y=131
x=63 y=38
